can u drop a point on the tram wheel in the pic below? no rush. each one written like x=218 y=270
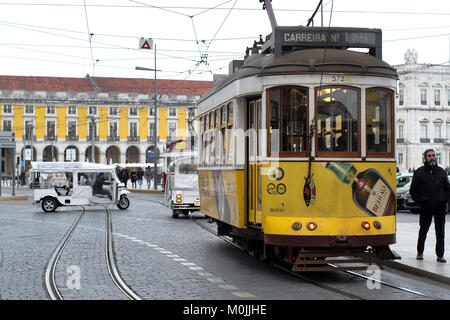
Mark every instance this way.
x=49 y=204
x=124 y=203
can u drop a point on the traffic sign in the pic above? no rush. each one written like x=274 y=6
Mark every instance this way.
x=6 y=136
x=146 y=43
x=7 y=145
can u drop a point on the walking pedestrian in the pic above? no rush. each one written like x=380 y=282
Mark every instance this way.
x=148 y=176
x=140 y=177
x=430 y=189
x=133 y=178
x=125 y=176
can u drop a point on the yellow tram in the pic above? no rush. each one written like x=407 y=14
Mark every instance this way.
x=297 y=146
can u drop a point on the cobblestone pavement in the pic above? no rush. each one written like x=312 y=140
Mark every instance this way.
x=157 y=256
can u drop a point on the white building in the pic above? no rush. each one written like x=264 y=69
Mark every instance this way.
x=423 y=113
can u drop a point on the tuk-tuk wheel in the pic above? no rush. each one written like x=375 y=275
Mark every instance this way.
x=49 y=204
x=124 y=202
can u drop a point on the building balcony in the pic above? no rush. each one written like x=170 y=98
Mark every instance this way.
x=51 y=138
x=400 y=140
x=133 y=138
x=152 y=139
x=90 y=138
x=113 y=138
x=425 y=140
x=29 y=137
x=72 y=138
x=438 y=140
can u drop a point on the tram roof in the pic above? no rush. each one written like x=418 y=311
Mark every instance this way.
x=309 y=61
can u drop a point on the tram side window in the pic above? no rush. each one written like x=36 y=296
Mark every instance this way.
x=337 y=119
x=229 y=132
x=288 y=119
x=379 y=113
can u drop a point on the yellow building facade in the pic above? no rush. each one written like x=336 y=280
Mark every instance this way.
x=114 y=115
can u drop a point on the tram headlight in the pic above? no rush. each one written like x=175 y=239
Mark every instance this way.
x=377 y=224
x=365 y=225
x=311 y=226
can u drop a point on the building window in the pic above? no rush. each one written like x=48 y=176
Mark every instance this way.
x=7 y=125
x=438 y=158
x=172 y=112
x=437 y=97
x=448 y=97
x=172 y=134
x=423 y=97
x=133 y=130
x=7 y=108
x=29 y=108
x=151 y=128
x=287 y=120
x=400 y=158
x=71 y=130
x=400 y=131
x=401 y=97
x=92 y=111
x=191 y=112
x=151 y=111
x=29 y=129
x=424 y=131
x=72 y=110
x=133 y=111
x=113 y=111
x=51 y=109
x=113 y=132
x=51 y=130
x=379 y=115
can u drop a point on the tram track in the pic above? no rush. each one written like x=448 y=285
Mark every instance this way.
x=319 y=284
x=50 y=272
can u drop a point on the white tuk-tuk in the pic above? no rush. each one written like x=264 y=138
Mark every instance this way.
x=181 y=191
x=76 y=184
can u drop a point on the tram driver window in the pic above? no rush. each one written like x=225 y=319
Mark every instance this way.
x=379 y=114
x=288 y=119
x=337 y=119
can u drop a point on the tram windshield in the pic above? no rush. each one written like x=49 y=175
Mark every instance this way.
x=337 y=120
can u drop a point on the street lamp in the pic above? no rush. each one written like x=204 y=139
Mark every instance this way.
x=155 y=131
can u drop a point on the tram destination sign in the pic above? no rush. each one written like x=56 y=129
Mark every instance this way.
x=284 y=39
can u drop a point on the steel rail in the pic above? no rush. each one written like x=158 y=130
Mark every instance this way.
x=304 y=278
x=50 y=282
x=111 y=262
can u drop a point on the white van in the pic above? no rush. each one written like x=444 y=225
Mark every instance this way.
x=181 y=191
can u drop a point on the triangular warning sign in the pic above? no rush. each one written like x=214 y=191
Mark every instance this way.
x=145 y=45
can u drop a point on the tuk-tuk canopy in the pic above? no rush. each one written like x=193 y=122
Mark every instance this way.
x=71 y=167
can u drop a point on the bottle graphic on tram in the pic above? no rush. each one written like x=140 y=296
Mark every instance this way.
x=371 y=192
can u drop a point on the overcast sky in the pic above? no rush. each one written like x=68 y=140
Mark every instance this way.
x=52 y=37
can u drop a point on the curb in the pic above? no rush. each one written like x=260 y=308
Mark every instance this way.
x=416 y=271
x=146 y=191
x=8 y=198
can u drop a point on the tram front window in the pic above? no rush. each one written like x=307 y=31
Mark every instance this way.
x=337 y=120
x=288 y=119
x=379 y=114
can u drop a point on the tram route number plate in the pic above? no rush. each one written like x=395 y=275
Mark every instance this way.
x=339 y=78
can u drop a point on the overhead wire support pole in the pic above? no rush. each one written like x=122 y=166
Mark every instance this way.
x=155 y=156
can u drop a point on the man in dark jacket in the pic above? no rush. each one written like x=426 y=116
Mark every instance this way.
x=430 y=189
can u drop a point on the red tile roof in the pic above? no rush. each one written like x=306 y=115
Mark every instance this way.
x=124 y=85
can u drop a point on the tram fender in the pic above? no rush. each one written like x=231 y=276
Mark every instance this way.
x=385 y=253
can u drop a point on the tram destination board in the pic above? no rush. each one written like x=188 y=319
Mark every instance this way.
x=285 y=39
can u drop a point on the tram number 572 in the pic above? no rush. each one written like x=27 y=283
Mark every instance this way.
x=337 y=78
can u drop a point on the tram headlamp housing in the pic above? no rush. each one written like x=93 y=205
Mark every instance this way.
x=179 y=197
x=311 y=226
x=365 y=225
x=296 y=226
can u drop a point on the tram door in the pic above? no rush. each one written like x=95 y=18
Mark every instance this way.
x=254 y=169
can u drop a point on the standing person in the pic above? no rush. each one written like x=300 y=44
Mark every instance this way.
x=140 y=176
x=148 y=176
x=125 y=176
x=430 y=189
x=133 y=178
